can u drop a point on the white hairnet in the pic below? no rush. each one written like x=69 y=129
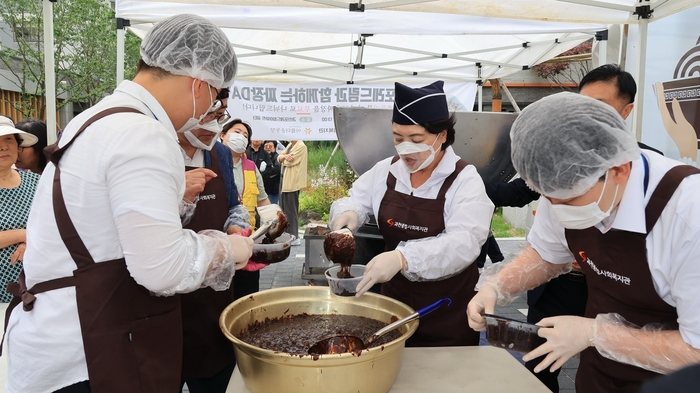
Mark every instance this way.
x=562 y=144
x=192 y=46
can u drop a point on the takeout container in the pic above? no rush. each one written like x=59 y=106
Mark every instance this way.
x=512 y=334
x=374 y=370
x=275 y=252
x=344 y=286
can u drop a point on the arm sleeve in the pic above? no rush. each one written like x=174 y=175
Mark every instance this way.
x=159 y=253
x=467 y=215
x=238 y=215
x=360 y=199
x=261 y=185
x=547 y=236
x=515 y=193
x=299 y=152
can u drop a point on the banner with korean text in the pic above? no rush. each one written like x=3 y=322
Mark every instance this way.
x=289 y=112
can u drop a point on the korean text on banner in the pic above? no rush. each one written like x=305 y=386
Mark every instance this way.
x=305 y=112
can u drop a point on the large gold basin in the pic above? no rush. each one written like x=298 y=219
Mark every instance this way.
x=265 y=371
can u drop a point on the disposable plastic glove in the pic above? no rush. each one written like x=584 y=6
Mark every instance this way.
x=380 y=269
x=347 y=219
x=263 y=166
x=483 y=302
x=566 y=336
x=242 y=247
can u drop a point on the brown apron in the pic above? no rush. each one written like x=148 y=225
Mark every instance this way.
x=622 y=283
x=446 y=326
x=206 y=350
x=132 y=339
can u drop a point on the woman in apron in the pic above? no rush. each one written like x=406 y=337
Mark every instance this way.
x=433 y=213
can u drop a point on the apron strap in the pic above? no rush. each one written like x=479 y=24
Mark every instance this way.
x=664 y=191
x=461 y=164
x=391 y=179
x=66 y=229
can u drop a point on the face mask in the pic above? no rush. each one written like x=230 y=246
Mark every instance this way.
x=406 y=148
x=582 y=217
x=237 y=142
x=193 y=122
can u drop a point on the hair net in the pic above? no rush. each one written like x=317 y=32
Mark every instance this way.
x=562 y=144
x=192 y=46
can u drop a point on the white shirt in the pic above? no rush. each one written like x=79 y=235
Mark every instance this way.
x=122 y=179
x=467 y=214
x=673 y=246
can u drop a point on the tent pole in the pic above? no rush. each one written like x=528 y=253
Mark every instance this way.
x=50 y=72
x=121 y=34
x=480 y=90
x=337 y=143
x=644 y=15
x=510 y=96
x=602 y=38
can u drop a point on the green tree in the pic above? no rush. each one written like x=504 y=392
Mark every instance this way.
x=84 y=45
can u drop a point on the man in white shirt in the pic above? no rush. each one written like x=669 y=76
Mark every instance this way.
x=632 y=223
x=113 y=211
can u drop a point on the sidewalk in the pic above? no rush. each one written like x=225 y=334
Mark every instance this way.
x=288 y=273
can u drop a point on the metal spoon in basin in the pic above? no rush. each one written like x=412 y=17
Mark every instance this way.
x=348 y=343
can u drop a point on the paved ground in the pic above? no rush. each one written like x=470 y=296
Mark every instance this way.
x=289 y=273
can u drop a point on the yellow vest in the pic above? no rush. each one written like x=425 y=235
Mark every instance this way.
x=249 y=196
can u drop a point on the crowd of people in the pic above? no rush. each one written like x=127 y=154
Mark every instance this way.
x=143 y=276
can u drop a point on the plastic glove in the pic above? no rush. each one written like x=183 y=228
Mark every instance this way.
x=347 y=219
x=380 y=269
x=242 y=247
x=483 y=302
x=566 y=336
x=263 y=166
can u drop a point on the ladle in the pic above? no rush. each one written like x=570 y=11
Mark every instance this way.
x=274 y=222
x=349 y=343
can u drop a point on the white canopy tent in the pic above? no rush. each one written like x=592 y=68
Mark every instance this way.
x=298 y=44
x=404 y=40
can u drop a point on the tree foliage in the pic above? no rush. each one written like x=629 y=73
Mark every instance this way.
x=85 y=46
x=564 y=72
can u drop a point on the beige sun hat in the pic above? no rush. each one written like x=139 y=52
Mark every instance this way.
x=7 y=127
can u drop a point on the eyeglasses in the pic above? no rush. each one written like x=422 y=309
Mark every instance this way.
x=221 y=119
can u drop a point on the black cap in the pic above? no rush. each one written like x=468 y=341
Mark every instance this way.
x=419 y=106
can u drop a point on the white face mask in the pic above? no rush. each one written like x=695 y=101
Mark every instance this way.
x=237 y=142
x=193 y=122
x=582 y=217
x=212 y=126
x=407 y=148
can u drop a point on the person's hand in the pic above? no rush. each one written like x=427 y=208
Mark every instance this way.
x=380 y=269
x=263 y=166
x=347 y=219
x=484 y=302
x=242 y=247
x=566 y=336
x=680 y=130
x=234 y=229
x=18 y=255
x=195 y=180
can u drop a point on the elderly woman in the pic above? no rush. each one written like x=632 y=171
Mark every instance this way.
x=16 y=195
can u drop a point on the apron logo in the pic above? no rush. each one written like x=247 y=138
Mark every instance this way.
x=207 y=197
x=409 y=227
x=601 y=272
